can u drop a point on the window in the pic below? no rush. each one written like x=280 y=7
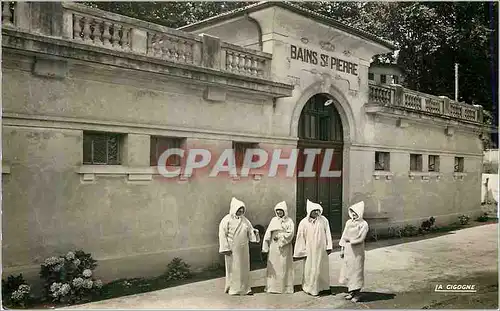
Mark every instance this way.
x=240 y=150
x=383 y=79
x=382 y=161
x=459 y=165
x=320 y=122
x=371 y=76
x=433 y=163
x=161 y=144
x=395 y=79
x=102 y=148
x=415 y=162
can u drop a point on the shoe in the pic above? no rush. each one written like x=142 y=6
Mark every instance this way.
x=348 y=297
x=355 y=299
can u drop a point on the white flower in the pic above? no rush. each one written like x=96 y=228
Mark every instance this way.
x=70 y=256
x=55 y=287
x=57 y=268
x=17 y=295
x=87 y=273
x=98 y=283
x=76 y=262
x=87 y=283
x=24 y=288
x=65 y=288
x=78 y=282
x=51 y=261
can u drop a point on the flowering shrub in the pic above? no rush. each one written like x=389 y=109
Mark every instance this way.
x=464 y=219
x=409 y=231
x=69 y=278
x=177 y=270
x=16 y=291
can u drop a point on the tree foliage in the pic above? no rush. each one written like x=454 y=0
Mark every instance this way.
x=431 y=37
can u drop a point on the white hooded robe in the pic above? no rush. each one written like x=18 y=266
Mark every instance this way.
x=235 y=233
x=353 y=241
x=278 y=243
x=314 y=239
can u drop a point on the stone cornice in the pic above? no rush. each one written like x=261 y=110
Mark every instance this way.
x=389 y=148
x=421 y=117
x=24 y=42
x=25 y=120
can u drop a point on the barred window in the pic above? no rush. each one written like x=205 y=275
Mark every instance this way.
x=415 y=162
x=240 y=150
x=459 y=165
x=161 y=144
x=383 y=79
x=433 y=163
x=371 y=76
x=102 y=148
x=382 y=160
x=395 y=79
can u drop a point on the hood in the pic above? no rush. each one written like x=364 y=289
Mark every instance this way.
x=359 y=208
x=311 y=206
x=235 y=205
x=282 y=206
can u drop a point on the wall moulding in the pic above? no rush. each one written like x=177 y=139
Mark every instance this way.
x=387 y=175
x=399 y=149
x=53 y=122
x=89 y=173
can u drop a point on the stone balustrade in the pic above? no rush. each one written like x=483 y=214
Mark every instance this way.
x=400 y=97
x=239 y=60
x=99 y=28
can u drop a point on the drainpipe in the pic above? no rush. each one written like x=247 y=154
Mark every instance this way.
x=259 y=29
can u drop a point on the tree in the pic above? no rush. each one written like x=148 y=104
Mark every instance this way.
x=431 y=37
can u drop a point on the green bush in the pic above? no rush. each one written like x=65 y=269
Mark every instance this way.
x=177 y=270
x=463 y=219
x=483 y=218
x=68 y=279
x=395 y=232
x=16 y=291
x=409 y=231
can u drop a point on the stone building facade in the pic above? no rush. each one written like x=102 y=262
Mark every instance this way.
x=89 y=98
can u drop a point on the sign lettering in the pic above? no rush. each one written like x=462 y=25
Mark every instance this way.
x=324 y=60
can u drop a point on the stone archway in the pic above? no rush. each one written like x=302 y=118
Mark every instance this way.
x=339 y=200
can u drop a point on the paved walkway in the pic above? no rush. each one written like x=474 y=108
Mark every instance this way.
x=390 y=269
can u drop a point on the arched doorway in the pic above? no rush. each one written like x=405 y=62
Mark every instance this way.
x=320 y=127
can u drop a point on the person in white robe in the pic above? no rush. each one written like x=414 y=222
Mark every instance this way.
x=277 y=243
x=352 y=252
x=235 y=233
x=314 y=243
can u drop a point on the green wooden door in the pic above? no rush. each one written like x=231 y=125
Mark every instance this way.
x=320 y=128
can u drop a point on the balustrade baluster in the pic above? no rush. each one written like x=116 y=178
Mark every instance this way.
x=234 y=62
x=6 y=14
x=86 y=29
x=116 y=36
x=125 y=41
x=96 y=34
x=253 y=66
x=156 y=43
x=77 y=28
x=247 y=68
x=229 y=60
x=106 y=36
x=169 y=48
